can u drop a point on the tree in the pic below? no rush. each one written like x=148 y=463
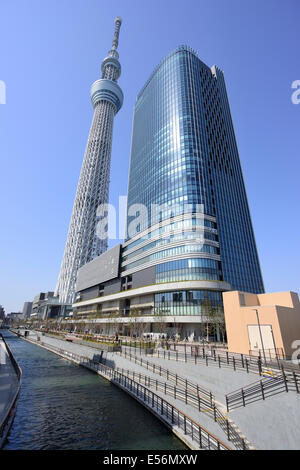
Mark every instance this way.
x=160 y=320
x=214 y=318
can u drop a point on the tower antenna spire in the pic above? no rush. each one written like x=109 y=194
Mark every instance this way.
x=118 y=22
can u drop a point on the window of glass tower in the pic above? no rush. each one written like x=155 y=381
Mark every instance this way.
x=173 y=252
x=190 y=302
x=194 y=269
x=165 y=157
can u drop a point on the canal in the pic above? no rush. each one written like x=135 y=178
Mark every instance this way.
x=64 y=406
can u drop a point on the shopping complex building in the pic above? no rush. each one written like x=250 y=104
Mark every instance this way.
x=189 y=231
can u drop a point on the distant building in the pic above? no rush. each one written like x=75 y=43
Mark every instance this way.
x=27 y=309
x=45 y=305
x=262 y=324
x=15 y=316
x=2 y=313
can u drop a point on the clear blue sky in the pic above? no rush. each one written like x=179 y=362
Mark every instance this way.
x=51 y=52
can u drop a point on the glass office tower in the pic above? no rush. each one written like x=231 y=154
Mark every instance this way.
x=189 y=231
x=184 y=158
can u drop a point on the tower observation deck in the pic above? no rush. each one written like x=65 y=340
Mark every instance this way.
x=82 y=243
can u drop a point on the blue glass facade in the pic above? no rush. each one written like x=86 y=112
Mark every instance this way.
x=183 y=153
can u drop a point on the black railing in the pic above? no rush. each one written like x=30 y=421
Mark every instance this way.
x=262 y=389
x=191 y=394
x=158 y=369
x=236 y=362
x=6 y=421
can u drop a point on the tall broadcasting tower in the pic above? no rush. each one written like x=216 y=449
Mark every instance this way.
x=82 y=244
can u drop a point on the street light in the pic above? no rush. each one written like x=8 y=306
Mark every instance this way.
x=261 y=339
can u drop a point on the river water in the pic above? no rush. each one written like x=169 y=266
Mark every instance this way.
x=65 y=406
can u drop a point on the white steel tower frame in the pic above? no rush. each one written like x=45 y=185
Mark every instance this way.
x=82 y=243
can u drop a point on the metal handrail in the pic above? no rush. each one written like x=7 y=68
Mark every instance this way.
x=170 y=376
x=236 y=362
x=18 y=371
x=209 y=406
x=264 y=388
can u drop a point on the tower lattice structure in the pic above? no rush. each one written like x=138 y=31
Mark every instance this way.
x=82 y=243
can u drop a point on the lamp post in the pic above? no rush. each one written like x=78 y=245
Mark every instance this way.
x=261 y=339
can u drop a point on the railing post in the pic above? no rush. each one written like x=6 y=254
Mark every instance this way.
x=296 y=382
x=227 y=403
x=262 y=389
x=259 y=366
x=285 y=379
x=219 y=361
x=227 y=426
x=247 y=366
x=227 y=357
x=243 y=397
x=233 y=360
x=184 y=424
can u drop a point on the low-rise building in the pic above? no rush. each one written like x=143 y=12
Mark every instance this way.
x=262 y=324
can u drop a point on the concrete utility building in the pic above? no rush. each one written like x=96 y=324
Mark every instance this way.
x=189 y=232
x=263 y=323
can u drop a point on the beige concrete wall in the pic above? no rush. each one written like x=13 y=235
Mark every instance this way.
x=280 y=310
x=285 y=299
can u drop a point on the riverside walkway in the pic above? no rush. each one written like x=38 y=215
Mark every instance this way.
x=9 y=386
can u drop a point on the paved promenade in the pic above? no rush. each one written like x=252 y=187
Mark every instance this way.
x=8 y=381
x=270 y=424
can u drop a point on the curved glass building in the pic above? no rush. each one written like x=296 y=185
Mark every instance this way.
x=189 y=230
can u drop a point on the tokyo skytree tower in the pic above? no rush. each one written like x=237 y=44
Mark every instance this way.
x=82 y=243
